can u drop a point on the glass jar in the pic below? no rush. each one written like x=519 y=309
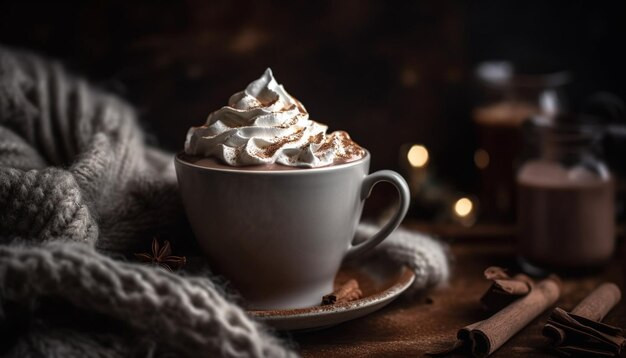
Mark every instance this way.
x=503 y=101
x=565 y=207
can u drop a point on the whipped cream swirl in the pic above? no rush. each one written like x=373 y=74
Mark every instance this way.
x=263 y=125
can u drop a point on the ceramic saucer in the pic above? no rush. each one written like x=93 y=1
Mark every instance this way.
x=381 y=281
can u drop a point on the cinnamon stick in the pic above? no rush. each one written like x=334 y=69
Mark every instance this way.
x=347 y=292
x=492 y=333
x=518 y=285
x=484 y=337
x=599 y=302
x=581 y=332
x=504 y=289
x=495 y=273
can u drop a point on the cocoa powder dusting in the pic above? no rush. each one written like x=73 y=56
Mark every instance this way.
x=351 y=150
x=261 y=103
x=328 y=144
x=271 y=149
x=317 y=139
x=288 y=108
x=292 y=122
x=269 y=103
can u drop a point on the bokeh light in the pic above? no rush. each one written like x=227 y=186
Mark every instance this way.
x=463 y=207
x=418 y=156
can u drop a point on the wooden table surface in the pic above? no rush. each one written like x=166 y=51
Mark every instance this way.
x=414 y=325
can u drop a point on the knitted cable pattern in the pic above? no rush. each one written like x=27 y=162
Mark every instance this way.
x=49 y=118
x=79 y=186
x=186 y=312
x=44 y=203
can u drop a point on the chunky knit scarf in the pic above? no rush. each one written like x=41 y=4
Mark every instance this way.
x=80 y=191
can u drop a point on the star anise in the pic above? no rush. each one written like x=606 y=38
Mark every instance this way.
x=162 y=256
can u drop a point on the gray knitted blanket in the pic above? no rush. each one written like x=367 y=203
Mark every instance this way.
x=80 y=192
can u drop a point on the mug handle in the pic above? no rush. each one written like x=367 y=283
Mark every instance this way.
x=366 y=189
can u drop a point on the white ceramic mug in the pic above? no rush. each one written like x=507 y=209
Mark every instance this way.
x=280 y=236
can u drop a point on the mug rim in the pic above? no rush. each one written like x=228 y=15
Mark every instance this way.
x=295 y=170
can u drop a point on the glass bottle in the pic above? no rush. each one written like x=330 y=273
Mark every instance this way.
x=565 y=198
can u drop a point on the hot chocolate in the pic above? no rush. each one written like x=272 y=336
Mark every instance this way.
x=273 y=200
x=565 y=216
x=216 y=164
x=265 y=125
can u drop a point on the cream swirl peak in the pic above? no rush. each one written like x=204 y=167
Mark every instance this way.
x=263 y=125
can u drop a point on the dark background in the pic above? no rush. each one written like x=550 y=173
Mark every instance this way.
x=387 y=72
